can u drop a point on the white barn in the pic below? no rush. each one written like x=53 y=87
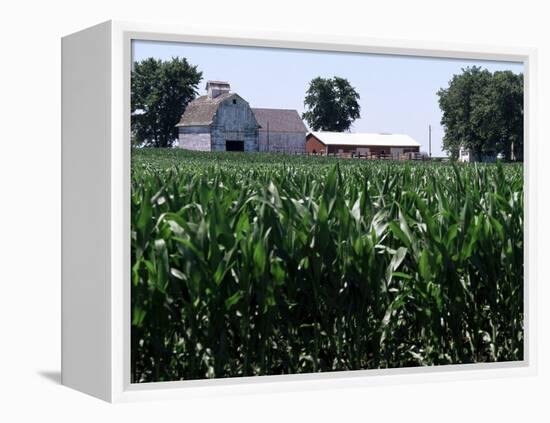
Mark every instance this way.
x=280 y=130
x=224 y=121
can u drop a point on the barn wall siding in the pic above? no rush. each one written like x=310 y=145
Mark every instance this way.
x=236 y=122
x=218 y=138
x=314 y=146
x=283 y=142
x=194 y=138
x=251 y=139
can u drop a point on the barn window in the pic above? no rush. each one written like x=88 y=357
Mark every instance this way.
x=234 y=101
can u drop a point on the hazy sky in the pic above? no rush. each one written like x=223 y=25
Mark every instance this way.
x=398 y=93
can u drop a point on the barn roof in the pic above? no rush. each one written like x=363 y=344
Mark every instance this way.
x=201 y=111
x=279 y=120
x=365 y=139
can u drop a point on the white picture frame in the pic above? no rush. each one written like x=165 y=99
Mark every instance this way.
x=96 y=66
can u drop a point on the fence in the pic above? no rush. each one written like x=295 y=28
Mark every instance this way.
x=370 y=156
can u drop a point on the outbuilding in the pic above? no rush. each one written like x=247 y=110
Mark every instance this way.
x=224 y=121
x=281 y=130
x=365 y=144
x=467 y=155
x=218 y=121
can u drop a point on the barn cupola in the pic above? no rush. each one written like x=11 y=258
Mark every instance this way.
x=216 y=88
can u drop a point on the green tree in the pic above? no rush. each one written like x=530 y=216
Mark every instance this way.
x=331 y=103
x=161 y=91
x=499 y=114
x=483 y=112
x=458 y=103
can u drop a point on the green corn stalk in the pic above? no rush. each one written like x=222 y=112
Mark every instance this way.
x=262 y=264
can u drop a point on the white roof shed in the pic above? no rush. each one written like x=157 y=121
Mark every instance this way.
x=365 y=139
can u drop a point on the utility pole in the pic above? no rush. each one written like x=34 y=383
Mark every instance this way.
x=430 y=138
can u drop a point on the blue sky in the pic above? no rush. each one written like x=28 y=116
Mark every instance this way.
x=398 y=93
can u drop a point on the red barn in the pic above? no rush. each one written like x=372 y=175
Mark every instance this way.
x=388 y=145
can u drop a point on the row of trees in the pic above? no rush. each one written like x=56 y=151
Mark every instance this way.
x=482 y=111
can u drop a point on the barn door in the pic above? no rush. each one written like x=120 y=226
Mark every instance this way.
x=396 y=153
x=232 y=145
x=363 y=151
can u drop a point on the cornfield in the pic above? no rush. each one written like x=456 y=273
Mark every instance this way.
x=261 y=264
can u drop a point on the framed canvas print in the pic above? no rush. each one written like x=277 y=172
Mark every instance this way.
x=273 y=211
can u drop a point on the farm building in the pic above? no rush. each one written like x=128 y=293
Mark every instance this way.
x=467 y=155
x=367 y=144
x=218 y=121
x=281 y=130
x=224 y=121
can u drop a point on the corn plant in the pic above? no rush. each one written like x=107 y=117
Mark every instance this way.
x=262 y=264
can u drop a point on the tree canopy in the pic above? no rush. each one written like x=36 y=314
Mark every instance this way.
x=331 y=104
x=161 y=91
x=483 y=112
